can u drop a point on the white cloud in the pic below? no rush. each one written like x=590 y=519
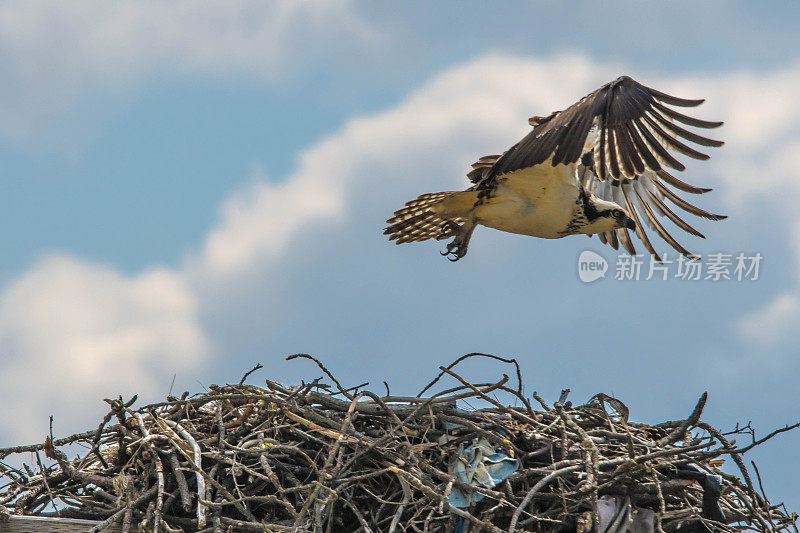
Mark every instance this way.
x=759 y=162
x=258 y=222
x=758 y=108
x=56 y=55
x=773 y=323
x=762 y=137
x=761 y=132
x=72 y=333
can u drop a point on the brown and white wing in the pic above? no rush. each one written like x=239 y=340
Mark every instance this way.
x=622 y=137
x=632 y=129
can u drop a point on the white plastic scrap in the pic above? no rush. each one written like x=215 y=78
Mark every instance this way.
x=617 y=515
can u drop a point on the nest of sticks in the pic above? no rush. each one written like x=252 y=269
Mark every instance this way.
x=320 y=457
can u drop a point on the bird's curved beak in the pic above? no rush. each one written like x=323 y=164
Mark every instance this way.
x=630 y=224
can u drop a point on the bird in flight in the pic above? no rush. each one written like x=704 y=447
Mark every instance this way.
x=597 y=167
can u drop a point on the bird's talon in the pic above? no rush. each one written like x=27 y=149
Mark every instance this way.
x=450 y=227
x=455 y=251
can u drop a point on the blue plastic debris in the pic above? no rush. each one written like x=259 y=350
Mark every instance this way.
x=478 y=464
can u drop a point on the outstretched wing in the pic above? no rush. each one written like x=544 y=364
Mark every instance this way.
x=621 y=136
x=647 y=198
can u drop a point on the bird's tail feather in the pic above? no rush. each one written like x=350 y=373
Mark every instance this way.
x=418 y=221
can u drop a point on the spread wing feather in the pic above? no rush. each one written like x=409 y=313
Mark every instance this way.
x=621 y=136
x=647 y=198
x=635 y=130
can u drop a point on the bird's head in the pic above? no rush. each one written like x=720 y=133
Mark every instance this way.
x=603 y=215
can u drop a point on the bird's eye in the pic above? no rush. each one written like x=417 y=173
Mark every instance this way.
x=616 y=213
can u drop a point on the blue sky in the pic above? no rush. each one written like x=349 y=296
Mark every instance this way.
x=194 y=188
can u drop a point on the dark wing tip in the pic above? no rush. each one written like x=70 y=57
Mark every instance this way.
x=674 y=100
x=658 y=95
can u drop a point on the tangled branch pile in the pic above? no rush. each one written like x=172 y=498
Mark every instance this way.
x=324 y=458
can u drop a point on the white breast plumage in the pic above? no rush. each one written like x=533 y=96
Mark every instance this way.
x=539 y=201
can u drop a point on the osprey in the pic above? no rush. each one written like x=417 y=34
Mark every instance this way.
x=597 y=167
